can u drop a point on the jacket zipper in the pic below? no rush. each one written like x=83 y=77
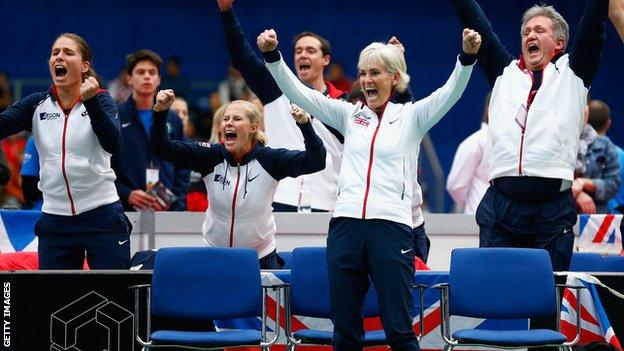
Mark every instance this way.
x=526 y=122
x=370 y=165
x=63 y=171
x=234 y=207
x=403 y=190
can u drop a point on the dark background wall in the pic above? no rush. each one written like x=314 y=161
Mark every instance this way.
x=191 y=29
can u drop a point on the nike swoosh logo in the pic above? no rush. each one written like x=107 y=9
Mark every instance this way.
x=405 y=251
x=121 y=242
x=394 y=120
x=566 y=230
x=124 y=125
x=251 y=179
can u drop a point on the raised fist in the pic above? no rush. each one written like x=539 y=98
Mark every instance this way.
x=89 y=88
x=299 y=114
x=471 y=41
x=164 y=99
x=267 y=40
x=225 y=5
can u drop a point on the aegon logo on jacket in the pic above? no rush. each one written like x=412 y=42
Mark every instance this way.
x=221 y=180
x=49 y=115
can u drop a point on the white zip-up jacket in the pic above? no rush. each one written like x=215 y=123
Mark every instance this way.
x=546 y=144
x=536 y=133
x=240 y=194
x=75 y=146
x=379 y=159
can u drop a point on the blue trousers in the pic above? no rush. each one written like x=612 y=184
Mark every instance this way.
x=421 y=243
x=547 y=225
x=382 y=251
x=102 y=234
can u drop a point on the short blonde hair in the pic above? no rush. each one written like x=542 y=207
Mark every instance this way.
x=390 y=57
x=254 y=115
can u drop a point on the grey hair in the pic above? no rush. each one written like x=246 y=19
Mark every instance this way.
x=390 y=57
x=562 y=30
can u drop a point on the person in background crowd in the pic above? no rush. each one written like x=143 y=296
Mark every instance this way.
x=336 y=76
x=180 y=107
x=119 y=88
x=312 y=55
x=174 y=79
x=467 y=181
x=232 y=87
x=13 y=148
x=135 y=165
x=535 y=119
x=216 y=136
x=597 y=168
x=76 y=130
x=370 y=235
x=616 y=15
x=6 y=98
x=600 y=171
x=33 y=199
x=241 y=174
x=196 y=196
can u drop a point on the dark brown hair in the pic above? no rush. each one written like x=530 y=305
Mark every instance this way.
x=142 y=55
x=599 y=115
x=85 y=52
x=325 y=45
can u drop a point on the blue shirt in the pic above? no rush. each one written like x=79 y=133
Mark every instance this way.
x=146 y=119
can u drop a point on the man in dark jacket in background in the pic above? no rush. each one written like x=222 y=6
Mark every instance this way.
x=137 y=169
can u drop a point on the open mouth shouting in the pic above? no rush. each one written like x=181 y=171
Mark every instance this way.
x=304 y=67
x=533 y=48
x=60 y=71
x=230 y=136
x=372 y=94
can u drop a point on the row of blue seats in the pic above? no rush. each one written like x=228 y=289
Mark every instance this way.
x=581 y=262
x=227 y=285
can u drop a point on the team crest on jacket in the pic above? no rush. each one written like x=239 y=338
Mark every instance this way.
x=361 y=119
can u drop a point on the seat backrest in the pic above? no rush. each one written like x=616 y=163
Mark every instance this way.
x=613 y=264
x=310 y=285
x=206 y=283
x=501 y=283
x=287 y=257
x=586 y=262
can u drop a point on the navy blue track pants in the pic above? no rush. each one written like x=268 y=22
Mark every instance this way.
x=382 y=251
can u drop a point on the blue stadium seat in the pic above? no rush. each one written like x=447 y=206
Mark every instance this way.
x=613 y=264
x=500 y=283
x=287 y=257
x=586 y=262
x=193 y=286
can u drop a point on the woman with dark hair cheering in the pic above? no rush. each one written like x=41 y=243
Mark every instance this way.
x=76 y=131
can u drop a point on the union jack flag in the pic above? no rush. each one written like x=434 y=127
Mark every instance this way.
x=595 y=325
x=600 y=233
x=431 y=339
x=17 y=231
